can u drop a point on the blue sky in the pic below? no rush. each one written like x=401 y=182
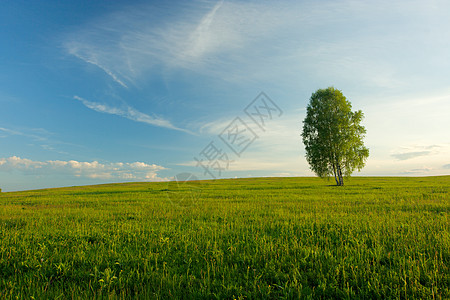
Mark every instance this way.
x=115 y=91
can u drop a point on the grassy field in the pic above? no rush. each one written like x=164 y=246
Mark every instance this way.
x=274 y=238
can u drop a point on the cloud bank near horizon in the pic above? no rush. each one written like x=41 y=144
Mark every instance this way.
x=139 y=171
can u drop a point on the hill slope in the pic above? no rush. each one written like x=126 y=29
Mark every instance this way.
x=241 y=238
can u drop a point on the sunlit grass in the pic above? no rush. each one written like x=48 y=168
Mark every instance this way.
x=243 y=238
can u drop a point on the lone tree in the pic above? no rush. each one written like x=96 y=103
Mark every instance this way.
x=333 y=136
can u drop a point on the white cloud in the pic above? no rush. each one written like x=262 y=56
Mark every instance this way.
x=18 y=163
x=139 y=171
x=129 y=113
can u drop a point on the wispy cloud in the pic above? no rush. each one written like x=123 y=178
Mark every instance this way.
x=91 y=59
x=39 y=137
x=410 y=155
x=93 y=170
x=282 y=46
x=221 y=40
x=406 y=153
x=36 y=134
x=278 y=149
x=129 y=113
x=418 y=171
x=230 y=40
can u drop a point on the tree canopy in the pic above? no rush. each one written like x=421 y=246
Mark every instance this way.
x=333 y=136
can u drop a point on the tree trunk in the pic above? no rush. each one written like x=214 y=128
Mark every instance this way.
x=335 y=174
x=341 y=179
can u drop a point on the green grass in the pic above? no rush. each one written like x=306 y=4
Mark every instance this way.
x=274 y=238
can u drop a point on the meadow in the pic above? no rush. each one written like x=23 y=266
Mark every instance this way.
x=260 y=238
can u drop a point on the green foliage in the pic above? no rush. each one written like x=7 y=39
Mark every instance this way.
x=333 y=136
x=272 y=238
